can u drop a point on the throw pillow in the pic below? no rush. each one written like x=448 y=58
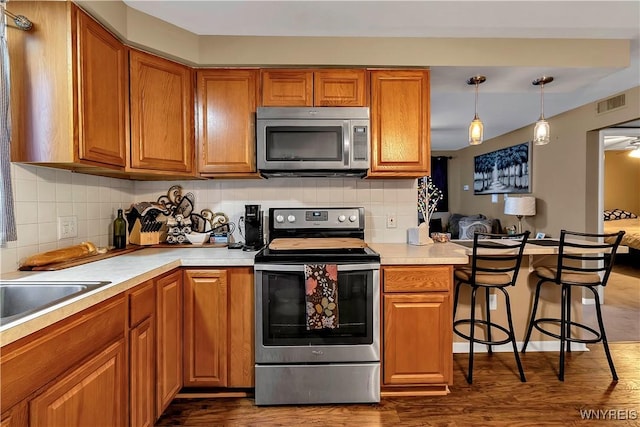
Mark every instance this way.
x=469 y=226
x=610 y=215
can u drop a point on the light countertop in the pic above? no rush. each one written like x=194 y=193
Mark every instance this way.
x=434 y=253
x=124 y=272
x=129 y=270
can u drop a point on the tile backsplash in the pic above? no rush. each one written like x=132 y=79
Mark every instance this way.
x=43 y=194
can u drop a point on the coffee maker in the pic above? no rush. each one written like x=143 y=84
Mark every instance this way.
x=253 y=238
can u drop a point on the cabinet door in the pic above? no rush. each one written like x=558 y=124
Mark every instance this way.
x=287 y=88
x=169 y=339
x=241 y=327
x=417 y=339
x=227 y=101
x=102 y=94
x=142 y=369
x=92 y=395
x=142 y=374
x=16 y=416
x=205 y=314
x=161 y=96
x=340 y=88
x=400 y=124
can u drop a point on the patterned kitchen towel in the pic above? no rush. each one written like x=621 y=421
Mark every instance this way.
x=321 y=291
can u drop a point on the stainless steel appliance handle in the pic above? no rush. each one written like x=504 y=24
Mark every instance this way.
x=300 y=267
x=346 y=147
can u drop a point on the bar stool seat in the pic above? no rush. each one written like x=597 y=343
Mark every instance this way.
x=583 y=264
x=577 y=278
x=483 y=279
x=497 y=269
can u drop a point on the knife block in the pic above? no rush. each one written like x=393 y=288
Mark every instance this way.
x=138 y=237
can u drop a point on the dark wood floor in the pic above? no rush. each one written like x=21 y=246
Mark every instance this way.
x=496 y=398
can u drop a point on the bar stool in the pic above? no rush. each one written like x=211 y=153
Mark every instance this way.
x=583 y=264
x=494 y=265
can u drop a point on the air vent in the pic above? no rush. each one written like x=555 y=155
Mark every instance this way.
x=612 y=103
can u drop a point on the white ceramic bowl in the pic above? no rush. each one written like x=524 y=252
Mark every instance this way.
x=197 y=238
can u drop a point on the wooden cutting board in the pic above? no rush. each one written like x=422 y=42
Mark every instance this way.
x=83 y=260
x=316 y=243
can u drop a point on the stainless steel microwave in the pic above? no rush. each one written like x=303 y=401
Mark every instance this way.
x=308 y=141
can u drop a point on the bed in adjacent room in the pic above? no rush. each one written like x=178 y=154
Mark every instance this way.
x=617 y=219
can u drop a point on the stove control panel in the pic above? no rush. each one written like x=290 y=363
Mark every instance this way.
x=309 y=218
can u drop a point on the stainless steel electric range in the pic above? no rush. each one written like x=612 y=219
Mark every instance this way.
x=296 y=364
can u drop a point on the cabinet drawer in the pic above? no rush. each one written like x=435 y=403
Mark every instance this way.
x=142 y=303
x=28 y=364
x=417 y=279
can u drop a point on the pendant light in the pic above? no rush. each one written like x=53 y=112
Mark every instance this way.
x=541 y=131
x=476 y=128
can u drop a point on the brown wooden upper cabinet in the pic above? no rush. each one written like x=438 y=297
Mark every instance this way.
x=162 y=115
x=400 y=146
x=59 y=117
x=319 y=88
x=226 y=105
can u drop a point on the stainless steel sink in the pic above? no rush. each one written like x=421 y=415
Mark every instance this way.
x=21 y=298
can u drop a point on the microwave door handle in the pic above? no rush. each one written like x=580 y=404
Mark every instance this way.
x=346 y=147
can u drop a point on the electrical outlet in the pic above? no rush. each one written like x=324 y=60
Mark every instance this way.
x=67 y=227
x=493 y=302
x=391 y=221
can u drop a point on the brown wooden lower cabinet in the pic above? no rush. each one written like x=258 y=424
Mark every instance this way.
x=205 y=328
x=72 y=373
x=168 y=339
x=417 y=331
x=16 y=416
x=218 y=313
x=92 y=395
x=142 y=347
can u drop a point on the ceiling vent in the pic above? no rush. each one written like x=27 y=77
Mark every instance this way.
x=612 y=103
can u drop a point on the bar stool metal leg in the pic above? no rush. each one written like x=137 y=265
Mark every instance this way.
x=568 y=320
x=455 y=299
x=472 y=333
x=488 y=310
x=536 y=298
x=563 y=331
x=603 y=335
x=512 y=335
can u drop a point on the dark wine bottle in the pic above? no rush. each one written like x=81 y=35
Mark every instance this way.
x=119 y=231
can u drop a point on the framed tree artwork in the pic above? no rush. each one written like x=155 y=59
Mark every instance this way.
x=507 y=170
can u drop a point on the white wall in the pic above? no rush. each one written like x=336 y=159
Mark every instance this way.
x=42 y=194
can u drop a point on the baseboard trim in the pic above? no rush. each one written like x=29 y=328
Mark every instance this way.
x=533 y=346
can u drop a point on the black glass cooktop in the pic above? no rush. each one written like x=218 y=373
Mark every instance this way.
x=345 y=255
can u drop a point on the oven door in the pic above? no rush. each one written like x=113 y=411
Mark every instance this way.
x=281 y=327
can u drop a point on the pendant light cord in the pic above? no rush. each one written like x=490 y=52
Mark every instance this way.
x=541 y=101
x=475 y=116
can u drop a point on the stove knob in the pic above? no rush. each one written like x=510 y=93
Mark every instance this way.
x=341 y=218
x=279 y=218
x=291 y=218
x=353 y=218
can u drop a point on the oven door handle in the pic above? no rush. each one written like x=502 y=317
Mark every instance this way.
x=300 y=267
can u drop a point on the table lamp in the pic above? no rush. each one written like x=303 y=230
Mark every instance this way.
x=520 y=206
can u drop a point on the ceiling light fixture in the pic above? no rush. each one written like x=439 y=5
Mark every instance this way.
x=541 y=131
x=476 y=128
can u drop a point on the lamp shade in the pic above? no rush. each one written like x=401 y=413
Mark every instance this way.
x=520 y=206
